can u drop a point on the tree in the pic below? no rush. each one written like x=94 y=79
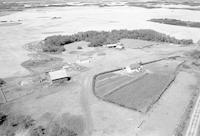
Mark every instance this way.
x=2 y=82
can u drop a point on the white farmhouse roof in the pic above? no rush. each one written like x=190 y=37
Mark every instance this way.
x=59 y=74
x=66 y=66
x=119 y=47
x=81 y=61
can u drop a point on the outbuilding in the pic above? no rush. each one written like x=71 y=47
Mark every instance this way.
x=83 y=61
x=116 y=45
x=111 y=45
x=59 y=75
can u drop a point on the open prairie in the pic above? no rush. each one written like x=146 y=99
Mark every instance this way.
x=156 y=100
x=38 y=23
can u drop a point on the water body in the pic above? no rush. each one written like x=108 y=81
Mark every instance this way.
x=36 y=24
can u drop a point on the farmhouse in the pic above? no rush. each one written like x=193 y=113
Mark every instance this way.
x=59 y=75
x=119 y=47
x=66 y=66
x=134 y=68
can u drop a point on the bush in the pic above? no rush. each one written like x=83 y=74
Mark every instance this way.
x=3 y=118
x=12 y=124
x=195 y=54
x=57 y=130
x=2 y=82
x=39 y=131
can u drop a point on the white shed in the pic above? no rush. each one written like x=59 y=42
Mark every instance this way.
x=111 y=45
x=83 y=61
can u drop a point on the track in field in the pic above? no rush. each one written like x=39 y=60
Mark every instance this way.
x=195 y=120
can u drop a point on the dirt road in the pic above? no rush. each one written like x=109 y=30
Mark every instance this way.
x=195 y=120
x=86 y=85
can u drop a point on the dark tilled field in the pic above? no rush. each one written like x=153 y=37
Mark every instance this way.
x=140 y=95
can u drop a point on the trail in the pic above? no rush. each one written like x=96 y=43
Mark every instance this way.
x=86 y=86
x=195 y=120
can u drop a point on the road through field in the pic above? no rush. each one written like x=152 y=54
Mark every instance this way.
x=86 y=86
x=195 y=120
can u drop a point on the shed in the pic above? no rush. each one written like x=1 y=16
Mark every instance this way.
x=116 y=45
x=66 y=66
x=111 y=45
x=59 y=74
x=83 y=61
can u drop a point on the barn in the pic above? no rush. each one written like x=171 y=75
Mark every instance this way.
x=59 y=75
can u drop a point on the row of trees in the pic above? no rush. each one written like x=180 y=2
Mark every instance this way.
x=176 y=22
x=56 y=43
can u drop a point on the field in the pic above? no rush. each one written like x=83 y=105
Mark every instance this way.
x=137 y=44
x=138 y=90
x=176 y=22
x=142 y=94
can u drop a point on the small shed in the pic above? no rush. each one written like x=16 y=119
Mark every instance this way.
x=111 y=45
x=59 y=75
x=116 y=45
x=83 y=61
x=66 y=66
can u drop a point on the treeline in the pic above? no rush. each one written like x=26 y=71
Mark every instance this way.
x=176 y=22
x=56 y=43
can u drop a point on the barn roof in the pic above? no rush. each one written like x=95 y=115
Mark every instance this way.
x=59 y=74
x=111 y=45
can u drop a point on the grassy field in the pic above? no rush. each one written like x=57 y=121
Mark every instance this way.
x=106 y=86
x=137 y=44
